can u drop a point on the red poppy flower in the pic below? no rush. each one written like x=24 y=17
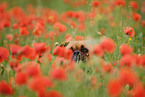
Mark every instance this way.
x=52 y=35
x=68 y=54
x=40 y=83
x=142 y=60
x=129 y=31
x=143 y=23
x=15 y=26
x=95 y=3
x=114 y=88
x=41 y=93
x=99 y=51
x=28 y=52
x=68 y=37
x=3 y=6
x=33 y=69
x=136 y=59
x=53 y=17
x=40 y=47
x=127 y=60
x=39 y=29
x=5 y=88
x=108 y=67
x=79 y=38
x=54 y=93
x=92 y=14
x=120 y=2
x=60 y=27
x=138 y=91
x=125 y=49
x=127 y=76
x=4 y=54
x=59 y=51
x=15 y=51
x=143 y=8
x=134 y=5
x=21 y=78
x=6 y=23
x=14 y=48
x=9 y=37
x=1 y=27
x=136 y=16
x=108 y=45
x=58 y=74
x=81 y=27
x=14 y=64
x=24 y=22
x=24 y=31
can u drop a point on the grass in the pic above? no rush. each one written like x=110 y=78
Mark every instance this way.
x=72 y=87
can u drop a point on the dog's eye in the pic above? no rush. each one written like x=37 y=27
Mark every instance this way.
x=84 y=50
x=72 y=48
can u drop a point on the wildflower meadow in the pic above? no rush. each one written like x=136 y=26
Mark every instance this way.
x=34 y=61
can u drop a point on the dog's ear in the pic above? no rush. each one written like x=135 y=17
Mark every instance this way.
x=64 y=44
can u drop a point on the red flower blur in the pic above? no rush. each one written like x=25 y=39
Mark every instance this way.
x=108 y=67
x=9 y=37
x=129 y=31
x=60 y=27
x=125 y=49
x=15 y=26
x=24 y=31
x=127 y=60
x=136 y=16
x=99 y=51
x=108 y=45
x=4 y=54
x=79 y=38
x=59 y=51
x=143 y=23
x=40 y=84
x=15 y=51
x=114 y=88
x=28 y=52
x=21 y=78
x=138 y=91
x=68 y=54
x=5 y=88
x=14 y=64
x=54 y=93
x=142 y=60
x=134 y=5
x=127 y=76
x=58 y=74
x=33 y=69
x=40 y=47
x=6 y=23
x=95 y=3
x=119 y=2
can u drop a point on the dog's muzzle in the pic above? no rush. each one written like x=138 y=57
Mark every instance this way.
x=78 y=56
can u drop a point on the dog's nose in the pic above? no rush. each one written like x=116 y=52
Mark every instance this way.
x=77 y=56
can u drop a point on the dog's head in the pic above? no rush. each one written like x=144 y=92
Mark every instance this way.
x=80 y=50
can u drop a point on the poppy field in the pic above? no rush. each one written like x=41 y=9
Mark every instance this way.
x=33 y=62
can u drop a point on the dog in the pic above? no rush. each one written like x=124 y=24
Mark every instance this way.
x=81 y=50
